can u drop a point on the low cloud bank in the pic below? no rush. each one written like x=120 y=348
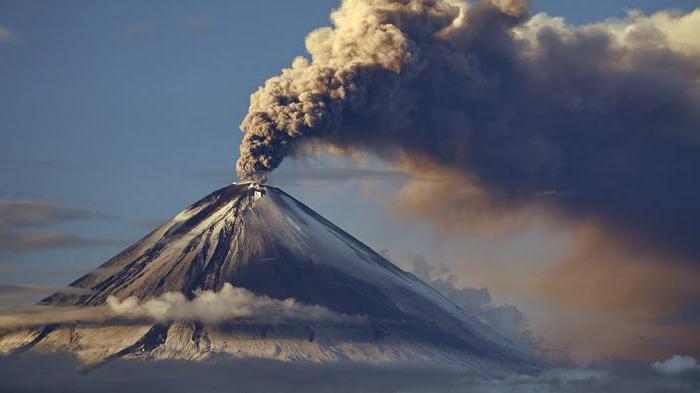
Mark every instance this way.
x=57 y=373
x=230 y=303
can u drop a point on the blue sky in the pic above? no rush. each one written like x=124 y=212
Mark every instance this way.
x=130 y=109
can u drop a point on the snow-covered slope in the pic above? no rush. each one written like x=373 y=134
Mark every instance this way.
x=259 y=238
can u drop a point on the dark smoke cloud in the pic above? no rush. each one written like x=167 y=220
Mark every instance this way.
x=336 y=175
x=603 y=118
x=57 y=373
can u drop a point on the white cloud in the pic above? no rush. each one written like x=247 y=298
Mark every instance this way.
x=231 y=303
x=677 y=364
x=209 y=306
x=679 y=31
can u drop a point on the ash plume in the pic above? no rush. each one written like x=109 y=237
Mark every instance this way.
x=605 y=117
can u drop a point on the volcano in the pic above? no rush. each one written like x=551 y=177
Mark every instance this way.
x=261 y=240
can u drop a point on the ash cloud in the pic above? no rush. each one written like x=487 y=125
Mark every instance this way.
x=231 y=303
x=604 y=118
x=613 y=299
x=335 y=175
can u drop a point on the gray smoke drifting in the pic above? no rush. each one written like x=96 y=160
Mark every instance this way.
x=604 y=118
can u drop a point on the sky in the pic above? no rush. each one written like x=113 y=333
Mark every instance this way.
x=116 y=115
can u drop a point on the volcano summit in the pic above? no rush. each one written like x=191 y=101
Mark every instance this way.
x=249 y=271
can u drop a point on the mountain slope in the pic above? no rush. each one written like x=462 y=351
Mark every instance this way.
x=261 y=239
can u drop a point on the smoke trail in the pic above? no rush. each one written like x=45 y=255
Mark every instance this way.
x=603 y=118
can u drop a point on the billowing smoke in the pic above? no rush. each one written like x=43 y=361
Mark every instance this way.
x=360 y=71
x=604 y=119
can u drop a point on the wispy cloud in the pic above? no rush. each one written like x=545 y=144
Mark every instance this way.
x=137 y=30
x=13 y=296
x=150 y=224
x=198 y=23
x=6 y=36
x=231 y=303
x=44 y=240
x=15 y=213
x=163 y=28
x=10 y=290
x=51 y=271
x=18 y=218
